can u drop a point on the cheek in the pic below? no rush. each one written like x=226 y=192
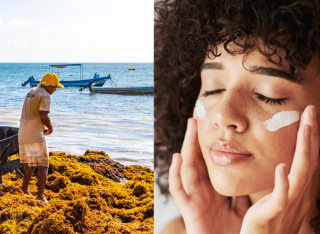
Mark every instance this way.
x=276 y=147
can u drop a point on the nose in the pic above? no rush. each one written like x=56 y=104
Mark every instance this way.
x=229 y=114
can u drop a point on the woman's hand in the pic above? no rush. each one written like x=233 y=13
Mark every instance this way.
x=202 y=208
x=282 y=211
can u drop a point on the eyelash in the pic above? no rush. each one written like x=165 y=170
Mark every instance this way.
x=271 y=101
x=207 y=93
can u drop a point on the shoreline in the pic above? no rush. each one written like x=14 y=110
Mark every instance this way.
x=128 y=141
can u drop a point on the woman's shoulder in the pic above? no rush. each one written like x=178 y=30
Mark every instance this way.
x=176 y=226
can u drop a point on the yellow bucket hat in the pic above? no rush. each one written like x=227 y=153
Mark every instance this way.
x=50 y=79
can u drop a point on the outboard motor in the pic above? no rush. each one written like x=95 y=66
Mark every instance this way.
x=91 y=83
x=96 y=75
x=31 y=78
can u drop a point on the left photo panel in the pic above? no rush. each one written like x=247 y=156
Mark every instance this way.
x=76 y=117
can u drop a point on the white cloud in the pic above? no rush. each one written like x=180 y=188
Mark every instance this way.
x=2 y=23
x=19 y=22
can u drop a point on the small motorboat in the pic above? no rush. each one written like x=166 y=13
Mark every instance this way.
x=78 y=83
x=131 y=69
x=123 y=90
x=128 y=90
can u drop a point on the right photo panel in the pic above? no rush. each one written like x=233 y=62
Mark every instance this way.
x=236 y=116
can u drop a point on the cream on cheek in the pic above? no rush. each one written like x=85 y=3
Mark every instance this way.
x=200 y=109
x=281 y=119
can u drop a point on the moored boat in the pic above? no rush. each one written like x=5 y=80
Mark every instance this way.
x=131 y=90
x=99 y=81
x=123 y=90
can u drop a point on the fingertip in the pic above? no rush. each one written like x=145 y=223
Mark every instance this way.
x=191 y=122
x=176 y=163
x=194 y=113
x=190 y=133
x=281 y=178
x=312 y=111
x=283 y=169
x=281 y=189
x=175 y=158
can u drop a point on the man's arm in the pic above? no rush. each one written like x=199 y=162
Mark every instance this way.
x=44 y=117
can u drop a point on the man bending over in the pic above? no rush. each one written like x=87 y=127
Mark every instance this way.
x=34 y=120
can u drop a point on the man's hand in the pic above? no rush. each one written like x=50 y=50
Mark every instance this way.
x=44 y=117
x=47 y=132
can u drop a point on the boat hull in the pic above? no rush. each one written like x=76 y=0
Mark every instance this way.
x=124 y=90
x=77 y=83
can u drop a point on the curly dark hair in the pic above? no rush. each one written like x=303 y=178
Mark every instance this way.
x=187 y=30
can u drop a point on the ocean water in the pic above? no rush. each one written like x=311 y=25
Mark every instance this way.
x=120 y=125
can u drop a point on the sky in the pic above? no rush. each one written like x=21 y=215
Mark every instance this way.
x=92 y=31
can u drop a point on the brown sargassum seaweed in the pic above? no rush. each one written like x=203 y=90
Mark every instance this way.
x=86 y=194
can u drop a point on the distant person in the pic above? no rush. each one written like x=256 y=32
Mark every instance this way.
x=32 y=143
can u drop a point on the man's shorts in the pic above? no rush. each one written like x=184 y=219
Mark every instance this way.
x=35 y=154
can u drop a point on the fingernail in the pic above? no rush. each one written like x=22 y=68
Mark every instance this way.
x=307 y=131
x=173 y=157
x=312 y=112
x=194 y=113
x=283 y=170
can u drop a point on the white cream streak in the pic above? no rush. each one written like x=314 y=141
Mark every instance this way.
x=200 y=110
x=281 y=119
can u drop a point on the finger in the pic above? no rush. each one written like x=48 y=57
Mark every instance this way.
x=193 y=167
x=314 y=157
x=279 y=195
x=310 y=118
x=190 y=144
x=299 y=173
x=194 y=115
x=306 y=200
x=241 y=205
x=175 y=184
x=278 y=199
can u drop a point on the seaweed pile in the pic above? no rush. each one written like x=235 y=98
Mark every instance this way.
x=86 y=194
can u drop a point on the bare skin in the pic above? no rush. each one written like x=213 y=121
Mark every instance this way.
x=42 y=179
x=44 y=115
x=50 y=89
x=46 y=121
x=280 y=178
x=176 y=226
x=42 y=171
x=28 y=171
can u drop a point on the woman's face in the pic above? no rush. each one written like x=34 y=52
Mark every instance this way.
x=240 y=153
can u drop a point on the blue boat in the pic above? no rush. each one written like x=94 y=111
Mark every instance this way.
x=99 y=81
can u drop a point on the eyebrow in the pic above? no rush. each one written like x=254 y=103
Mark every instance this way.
x=254 y=69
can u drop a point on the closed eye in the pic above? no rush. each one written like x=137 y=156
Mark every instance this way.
x=269 y=100
x=207 y=93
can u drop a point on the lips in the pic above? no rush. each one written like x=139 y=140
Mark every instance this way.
x=227 y=153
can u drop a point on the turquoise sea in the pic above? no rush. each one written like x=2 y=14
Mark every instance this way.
x=120 y=125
